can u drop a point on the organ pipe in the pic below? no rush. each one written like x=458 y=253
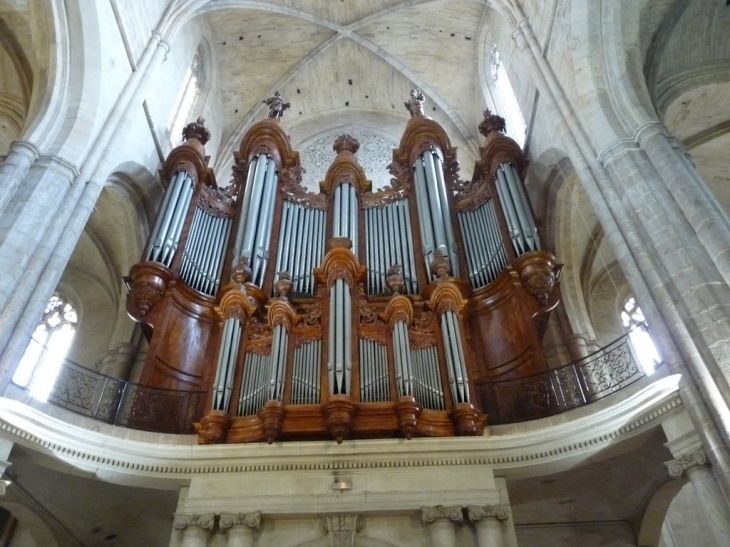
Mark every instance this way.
x=516 y=210
x=254 y=231
x=170 y=218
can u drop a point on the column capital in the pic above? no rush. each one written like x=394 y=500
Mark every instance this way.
x=687 y=462
x=439 y=512
x=479 y=512
x=204 y=522
x=230 y=520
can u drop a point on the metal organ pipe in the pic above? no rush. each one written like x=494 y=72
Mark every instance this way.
x=454 y=350
x=254 y=232
x=227 y=357
x=516 y=210
x=389 y=241
x=171 y=218
x=279 y=348
x=339 y=356
x=403 y=360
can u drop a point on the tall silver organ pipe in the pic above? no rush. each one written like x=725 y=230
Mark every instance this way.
x=520 y=224
x=254 y=231
x=483 y=244
x=301 y=245
x=339 y=354
x=279 y=348
x=305 y=375
x=427 y=388
x=433 y=210
x=403 y=359
x=455 y=362
x=254 y=383
x=205 y=248
x=389 y=241
x=374 y=386
x=227 y=357
x=170 y=219
x=345 y=221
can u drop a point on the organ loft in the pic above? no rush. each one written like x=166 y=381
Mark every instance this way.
x=347 y=313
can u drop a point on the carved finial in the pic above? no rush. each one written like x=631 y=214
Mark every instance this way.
x=491 y=123
x=440 y=264
x=276 y=106
x=346 y=142
x=240 y=273
x=283 y=284
x=197 y=130
x=415 y=104
x=394 y=279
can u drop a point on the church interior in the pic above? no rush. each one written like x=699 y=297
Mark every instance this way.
x=385 y=273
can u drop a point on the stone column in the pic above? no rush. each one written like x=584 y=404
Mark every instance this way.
x=487 y=520
x=6 y=446
x=440 y=523
x=696 y=466
x=21 y=156
x=241 y=528
x=195 y=529
x=341 y=529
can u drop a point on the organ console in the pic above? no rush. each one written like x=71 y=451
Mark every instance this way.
x=348 y=312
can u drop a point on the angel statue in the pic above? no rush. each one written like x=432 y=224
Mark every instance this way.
x=276 y=105
x=415 y=104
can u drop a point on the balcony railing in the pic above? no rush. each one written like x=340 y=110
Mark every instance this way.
x=608 y=370
x=601 y=373
x=126 y=404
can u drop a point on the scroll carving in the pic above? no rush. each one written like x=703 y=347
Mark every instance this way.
x=218 y=202
x=313 y=318
x=367 y=314
x=422 y=331
x=291 y=189
x=259 y=337
x=229 y=520
x=432 y=514
x=398 y=189
x=472 y=195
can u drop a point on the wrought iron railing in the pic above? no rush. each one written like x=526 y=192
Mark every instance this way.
x=90 y=393
x=601 y=373
x=126 y=404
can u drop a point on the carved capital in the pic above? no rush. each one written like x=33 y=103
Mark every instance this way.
x=538 y=274
x=480 y=512
x=186 y=522
x=686 y=462
x=342 y=529
x=439 y=512
x=339 y=414
x=249 y=520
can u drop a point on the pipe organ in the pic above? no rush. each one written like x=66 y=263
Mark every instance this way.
x=347 y=312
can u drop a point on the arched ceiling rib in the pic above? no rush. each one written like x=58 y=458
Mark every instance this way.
x=266 y=46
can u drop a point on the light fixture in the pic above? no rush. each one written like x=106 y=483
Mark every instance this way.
x=341 y=485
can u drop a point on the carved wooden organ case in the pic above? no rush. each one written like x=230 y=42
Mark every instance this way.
x=346 y=313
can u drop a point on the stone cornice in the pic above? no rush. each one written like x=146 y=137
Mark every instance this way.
x=533 y=448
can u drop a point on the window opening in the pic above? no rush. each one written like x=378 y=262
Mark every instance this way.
x=47 y=350
x=510 y=108
x=634 y=323
x=188 y=96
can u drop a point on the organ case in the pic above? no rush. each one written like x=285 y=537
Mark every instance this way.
x=348 y=312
